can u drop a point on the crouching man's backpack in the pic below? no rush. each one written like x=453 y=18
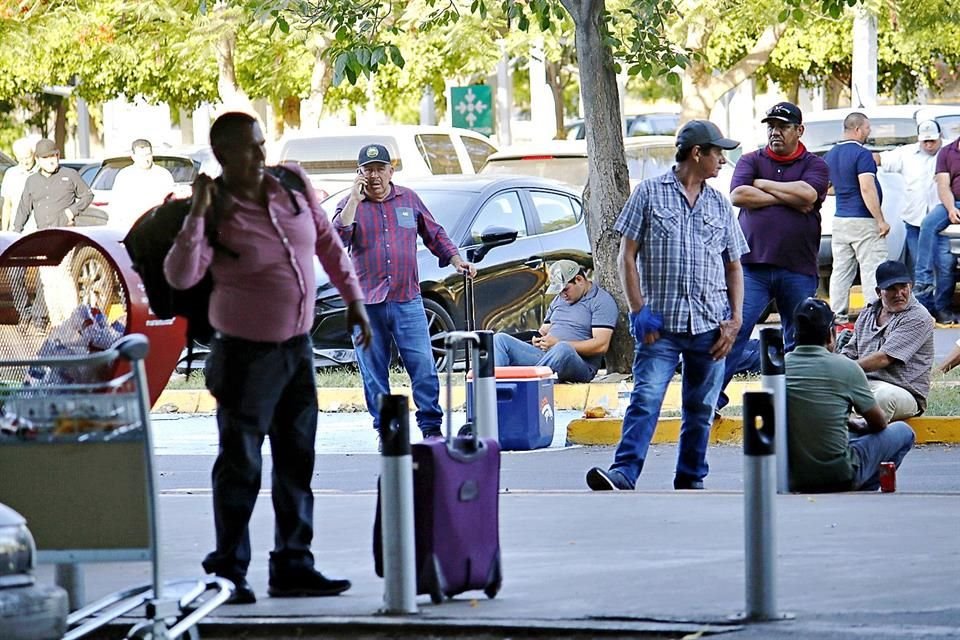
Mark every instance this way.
x=149 y=241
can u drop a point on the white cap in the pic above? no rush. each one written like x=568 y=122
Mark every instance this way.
x=928 y=130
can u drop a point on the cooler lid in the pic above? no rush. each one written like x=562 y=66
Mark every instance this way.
x=520 y=373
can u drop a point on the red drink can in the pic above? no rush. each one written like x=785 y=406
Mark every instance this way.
x=888 y=477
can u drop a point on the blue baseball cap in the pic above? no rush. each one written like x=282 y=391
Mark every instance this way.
x=373 y=153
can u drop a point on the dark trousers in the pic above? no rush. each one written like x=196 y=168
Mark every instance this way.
x=262 y=389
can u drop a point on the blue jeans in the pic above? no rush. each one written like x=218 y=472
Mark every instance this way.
x=935 y=263
x=761 y=284
x=653 y=367
x=403 y=324
x=891 y=444
x=561 y=357
x=912 y=238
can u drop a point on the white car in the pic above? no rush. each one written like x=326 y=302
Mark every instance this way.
x=330 y=157
x=891 y=126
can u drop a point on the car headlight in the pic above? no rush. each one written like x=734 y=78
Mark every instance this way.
x=18 y=551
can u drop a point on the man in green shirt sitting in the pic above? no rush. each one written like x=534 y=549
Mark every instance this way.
x=829 y=450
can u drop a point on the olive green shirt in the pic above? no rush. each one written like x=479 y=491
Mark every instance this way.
x=822 y=387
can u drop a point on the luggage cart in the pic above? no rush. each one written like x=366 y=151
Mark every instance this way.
x=76 y=459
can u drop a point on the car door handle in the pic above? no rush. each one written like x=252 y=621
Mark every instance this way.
x=535 y=262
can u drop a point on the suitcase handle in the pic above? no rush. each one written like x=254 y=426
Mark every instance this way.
x=452 y=339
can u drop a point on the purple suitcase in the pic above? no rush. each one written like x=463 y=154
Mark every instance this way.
x=456 y=485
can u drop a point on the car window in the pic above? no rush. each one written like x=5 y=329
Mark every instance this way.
x=577 y=209
x=884 y=132
x=478 y=150
x=658 y=161
x=183 y=171
x=554 y=210
x=446 y=207
x=88 y=173
x=654 y=124
x=439 y=153
x=573 y=171
x=502 y=210
x=334 y=154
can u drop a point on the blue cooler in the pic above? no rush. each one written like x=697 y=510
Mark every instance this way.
x=524 y=407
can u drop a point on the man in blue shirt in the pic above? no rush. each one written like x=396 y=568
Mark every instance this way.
x=859 y=230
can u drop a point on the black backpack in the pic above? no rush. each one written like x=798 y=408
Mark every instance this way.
x=149 y=241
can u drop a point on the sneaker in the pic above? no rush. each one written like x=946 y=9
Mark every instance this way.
x=607 y=480
x=242 y=591
x=686 y=483
x=945 y=316
x=432 y=433
x=306 y=583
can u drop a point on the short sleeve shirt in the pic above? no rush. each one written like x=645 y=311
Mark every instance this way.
x=907 y=337
x=917 y=168
x=596 y=309
x=848 y=160
x=948 y=161
x=822 y=387
x=683 y=251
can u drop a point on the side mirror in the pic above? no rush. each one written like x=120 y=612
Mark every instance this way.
x=491 y=237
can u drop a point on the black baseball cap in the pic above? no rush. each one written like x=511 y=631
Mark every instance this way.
x=784 y=112
x=892 y=272
x=814 y=313
x=373 y=153
x=703 y=132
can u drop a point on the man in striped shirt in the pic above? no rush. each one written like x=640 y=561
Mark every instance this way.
x=679 y=263
x=379 y=223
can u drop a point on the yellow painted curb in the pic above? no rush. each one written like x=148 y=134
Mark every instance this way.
x=606 y=431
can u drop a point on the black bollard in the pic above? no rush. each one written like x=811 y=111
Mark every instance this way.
x=396 y=499
x=773 y=378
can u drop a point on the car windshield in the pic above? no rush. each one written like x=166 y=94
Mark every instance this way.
x=573 y=171
x=884 y=132
x=335 y=154
x=950 y=126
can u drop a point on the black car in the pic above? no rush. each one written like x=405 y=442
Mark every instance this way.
x=480 y=212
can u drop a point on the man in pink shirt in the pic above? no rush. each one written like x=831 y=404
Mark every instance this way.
x=260 y=367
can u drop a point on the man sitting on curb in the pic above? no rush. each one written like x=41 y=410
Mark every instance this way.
x=575 y=334
x=893 y=344
x=821 y=389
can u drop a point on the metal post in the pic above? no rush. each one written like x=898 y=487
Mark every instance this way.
x=758 y=497
x=485 y=389
x=396 y=500
x=69 y=577
x=773 y=378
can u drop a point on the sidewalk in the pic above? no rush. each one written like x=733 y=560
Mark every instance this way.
x=628 y=564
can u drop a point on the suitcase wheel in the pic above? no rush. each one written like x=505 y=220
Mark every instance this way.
x=495 y=579
x=434 y=579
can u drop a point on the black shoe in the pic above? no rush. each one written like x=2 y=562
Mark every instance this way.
x=607 y=480
x=432 y=433
x=945 y=316
x=305 y=583
x=683 y=483
x=242 y=591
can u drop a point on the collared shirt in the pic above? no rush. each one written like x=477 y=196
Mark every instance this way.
x=383 y=244
x=780 y=235
x=907 y=337
x=682 y=251
x=595 y=309
x=822 y=387
x=46 y=197
x=917 y=168
x=848 y=160
x=948 y=161
x=267 y=294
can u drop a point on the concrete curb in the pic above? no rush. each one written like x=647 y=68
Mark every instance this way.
x=729 y=430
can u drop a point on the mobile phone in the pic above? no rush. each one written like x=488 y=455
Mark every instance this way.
x=362 y=186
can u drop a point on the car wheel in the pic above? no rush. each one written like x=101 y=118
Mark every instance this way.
x=439 y=324
x=95 y=279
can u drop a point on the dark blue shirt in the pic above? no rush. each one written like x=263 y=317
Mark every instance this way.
x=848 y=160
x=780 y=235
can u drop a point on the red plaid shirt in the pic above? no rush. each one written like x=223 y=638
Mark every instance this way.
x=383 y=244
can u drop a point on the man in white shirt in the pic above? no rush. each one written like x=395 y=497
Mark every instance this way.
x=14 y=180
x=917 y=164
x=139 y=187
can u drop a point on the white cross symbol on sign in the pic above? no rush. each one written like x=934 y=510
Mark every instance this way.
x=471 y=106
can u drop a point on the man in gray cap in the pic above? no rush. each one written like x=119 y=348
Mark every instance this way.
x=893 y=344
x=679 y=263
x=54 y=195
x=575 y=333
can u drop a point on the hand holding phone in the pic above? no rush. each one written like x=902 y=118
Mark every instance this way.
x=360 y=184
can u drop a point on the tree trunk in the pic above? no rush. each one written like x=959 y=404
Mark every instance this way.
x=320 y=80
x=231 y=95
x=608 y=183
x=556 y=88
x=60 y=124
